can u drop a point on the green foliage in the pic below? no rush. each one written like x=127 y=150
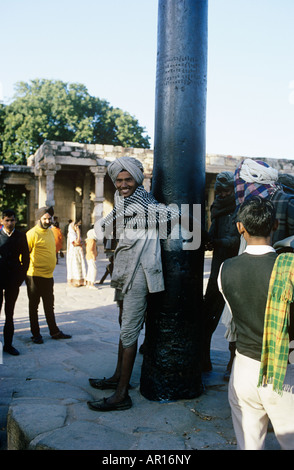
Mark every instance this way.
x=2 y=115
x=14 y=197
x=53 y=110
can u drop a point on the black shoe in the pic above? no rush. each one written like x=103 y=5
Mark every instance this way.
x=103 y=384
x=11 y=350
x=103 y=405
x=60 y=335
x=37 y=339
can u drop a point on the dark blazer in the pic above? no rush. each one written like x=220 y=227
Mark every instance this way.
x=14 y=258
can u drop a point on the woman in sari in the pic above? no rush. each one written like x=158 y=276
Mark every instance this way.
x=75 y=261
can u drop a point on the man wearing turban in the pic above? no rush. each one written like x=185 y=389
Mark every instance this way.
x=137 y=269
x=224 y=241
x=257 y=178
x=131 y=165
x=42 y=248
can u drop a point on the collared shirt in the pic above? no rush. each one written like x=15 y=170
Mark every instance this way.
x=259 y=249
x=251 y=250
x=6 y=233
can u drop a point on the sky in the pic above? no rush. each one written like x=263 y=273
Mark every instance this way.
x=111 y=46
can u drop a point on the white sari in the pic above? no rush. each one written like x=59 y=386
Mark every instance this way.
x=75 y=261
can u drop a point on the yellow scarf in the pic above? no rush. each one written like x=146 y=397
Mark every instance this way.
x=275 y=345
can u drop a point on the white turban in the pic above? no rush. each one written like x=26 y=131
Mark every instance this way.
x=129 y=164
x=91 y=234
x=253 y=172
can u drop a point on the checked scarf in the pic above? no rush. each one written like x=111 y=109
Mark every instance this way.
x=141 y=211
x=275 y=346
x=245 y=189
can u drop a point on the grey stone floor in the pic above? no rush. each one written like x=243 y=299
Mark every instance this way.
x=44 y=391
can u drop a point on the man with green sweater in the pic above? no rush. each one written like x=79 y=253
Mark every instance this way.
x=258 y=286
x=39 y=279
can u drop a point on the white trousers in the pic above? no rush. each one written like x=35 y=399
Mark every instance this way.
x=134 y=309
x=253 y=406
x=92 y=270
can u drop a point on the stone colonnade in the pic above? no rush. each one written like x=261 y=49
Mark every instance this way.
x=73 y=178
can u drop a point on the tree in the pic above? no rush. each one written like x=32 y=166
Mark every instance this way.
x=2 y=115
x=53 y=110
x=15 y=197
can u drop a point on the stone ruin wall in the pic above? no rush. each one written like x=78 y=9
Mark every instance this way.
x=74 y=177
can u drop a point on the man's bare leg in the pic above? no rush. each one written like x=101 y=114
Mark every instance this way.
x=127 y=364
x=117 y=373
x=124 y=367
x=116 y=376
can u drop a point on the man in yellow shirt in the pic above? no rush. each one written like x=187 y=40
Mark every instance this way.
x=42 y=248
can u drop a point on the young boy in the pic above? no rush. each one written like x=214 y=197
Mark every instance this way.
x=258 y=287
x=91 y=257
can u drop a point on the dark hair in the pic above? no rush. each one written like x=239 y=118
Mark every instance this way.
x=8 y=213
x=258 y=216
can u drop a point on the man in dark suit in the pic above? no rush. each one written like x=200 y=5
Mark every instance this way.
x=14 y=262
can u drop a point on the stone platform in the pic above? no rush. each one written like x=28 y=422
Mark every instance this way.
x=44 y=391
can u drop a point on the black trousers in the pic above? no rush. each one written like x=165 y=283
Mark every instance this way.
x=9 y=292
x=41 y=288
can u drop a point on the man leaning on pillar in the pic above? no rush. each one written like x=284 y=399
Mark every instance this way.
x=137 y=270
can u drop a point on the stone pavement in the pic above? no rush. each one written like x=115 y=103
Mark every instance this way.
x=44 y=391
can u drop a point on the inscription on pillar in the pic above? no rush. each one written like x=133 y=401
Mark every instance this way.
x=178 y=70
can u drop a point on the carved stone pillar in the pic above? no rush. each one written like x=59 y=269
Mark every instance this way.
x=99 y=174
x=147 y=182
x=45 y=170
x=50 y=176
x=86 y=204
x=79 y=198
x=30 y=188
x=42 y=193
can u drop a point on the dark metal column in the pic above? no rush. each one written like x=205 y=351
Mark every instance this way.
x=172 y=361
